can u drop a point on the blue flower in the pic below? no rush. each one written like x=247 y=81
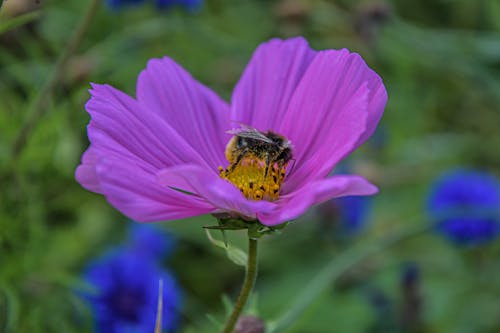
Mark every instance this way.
x=190 y=5
x=465 y=204
x=126 y=293
x=346 y=215
x=117 y=4
x=354 y=212
x=150 y=240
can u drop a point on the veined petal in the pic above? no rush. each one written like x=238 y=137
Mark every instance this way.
x=217 y=192
x=137 y=194
x=121 y=125
x=269 y=81
x=295 y=204
x=192 y=110
x=330 y=114
x=85 y=173
x=377 y=101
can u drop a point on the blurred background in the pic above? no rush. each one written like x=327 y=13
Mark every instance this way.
x=440 y=62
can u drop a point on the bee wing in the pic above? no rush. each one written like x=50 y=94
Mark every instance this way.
x=254 y=135
x=249 y=132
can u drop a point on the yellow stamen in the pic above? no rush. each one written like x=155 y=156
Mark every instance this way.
x=249 y=175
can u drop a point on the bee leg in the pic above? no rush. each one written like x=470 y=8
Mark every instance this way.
x=268 y=162
x=238 y=160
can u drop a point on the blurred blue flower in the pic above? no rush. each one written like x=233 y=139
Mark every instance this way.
x=117 y=4
x=346 y=215
x=150 y=240
x=465 y=204
x=190 y=5
x=126 y=294
x=354 y=212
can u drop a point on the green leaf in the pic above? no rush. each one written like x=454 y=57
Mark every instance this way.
x=235 y=254
x=12 y=308
x=11 y=23
x=217 y=323
x=227 y=303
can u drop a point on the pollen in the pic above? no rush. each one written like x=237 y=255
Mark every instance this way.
x=249 y=175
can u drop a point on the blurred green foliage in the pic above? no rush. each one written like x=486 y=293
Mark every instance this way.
x=440 y=61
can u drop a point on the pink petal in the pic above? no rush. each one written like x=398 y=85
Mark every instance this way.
x=138 y=195
x=333 y=110
x=377 y=101
x=269 y=81
x=129 y=144
x=295 y=204
x=215 y=190
x=120 y=126
x=85 y=174
x=192 y=110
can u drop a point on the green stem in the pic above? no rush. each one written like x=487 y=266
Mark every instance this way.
x=40 y=104
x=246 y=289
x=334 y=269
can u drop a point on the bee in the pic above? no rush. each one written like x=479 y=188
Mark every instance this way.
x=269 y=147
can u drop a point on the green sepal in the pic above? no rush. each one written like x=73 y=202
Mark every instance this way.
x=235 y=254
x=183 y=191
x=255 y=228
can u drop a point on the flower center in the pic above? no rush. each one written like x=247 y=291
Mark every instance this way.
x=255 y=179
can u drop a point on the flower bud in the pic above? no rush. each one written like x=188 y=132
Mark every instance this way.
x=249 y=324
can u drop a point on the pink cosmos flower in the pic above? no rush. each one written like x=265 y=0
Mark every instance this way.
x=173 y=135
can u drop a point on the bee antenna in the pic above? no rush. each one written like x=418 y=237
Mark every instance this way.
x=242 y=124
x=243 y=127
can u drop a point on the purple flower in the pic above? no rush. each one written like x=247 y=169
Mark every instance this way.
x=465 y=206
x=126 y=294
x=157 y=156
